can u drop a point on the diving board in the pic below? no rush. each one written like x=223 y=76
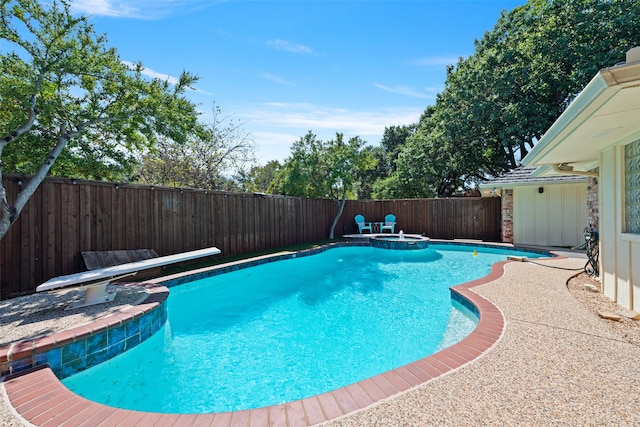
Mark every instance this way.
x=96 y=281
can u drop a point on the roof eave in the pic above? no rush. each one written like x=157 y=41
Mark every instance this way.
x=543 y=180
x=600 y=92
x=594 y=92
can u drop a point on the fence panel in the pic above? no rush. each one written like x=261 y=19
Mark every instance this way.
x=457 y=218
x=65 y=217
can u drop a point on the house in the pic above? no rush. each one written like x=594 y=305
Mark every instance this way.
x=600 y=132
x=543 y=210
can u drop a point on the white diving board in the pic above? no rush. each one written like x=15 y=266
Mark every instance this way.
x=96 y=281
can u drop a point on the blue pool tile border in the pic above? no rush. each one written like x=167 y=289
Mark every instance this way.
x=455 y=296
x=182 y=278
x=69 y=352
x=493 y=246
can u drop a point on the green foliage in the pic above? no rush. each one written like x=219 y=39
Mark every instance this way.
x=258 y=178
x=328 y=169
x=499 y=101
x=319 y=168
x=363 y=188
x=296 y=176
x=66 y=95
x=389 y=188
x=213 y=158
x=393 y=139
x=81 y=158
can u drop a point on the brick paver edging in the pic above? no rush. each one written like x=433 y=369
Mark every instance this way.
x=75 y=349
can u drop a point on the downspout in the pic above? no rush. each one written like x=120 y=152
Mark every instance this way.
x=565 y=169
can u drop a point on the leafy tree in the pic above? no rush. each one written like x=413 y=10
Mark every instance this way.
x=211 y=159
x=392 y=141
x=323 y=169
x=499 y=101
x=363 y=188
x=258 y=178
x=63 y=90
x=81 y=158
x=295 y=177
x=386 y=154
x=538 y=57
x=426 y=167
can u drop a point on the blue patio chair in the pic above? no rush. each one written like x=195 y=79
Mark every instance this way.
x=389 y=223
x=361 y=224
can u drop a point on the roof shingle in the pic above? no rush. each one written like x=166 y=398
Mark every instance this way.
x=522 y=175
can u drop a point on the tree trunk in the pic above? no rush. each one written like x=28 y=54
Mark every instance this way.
x=511 y=157
x=523 y=150
x=9 y=213
x=341 y=204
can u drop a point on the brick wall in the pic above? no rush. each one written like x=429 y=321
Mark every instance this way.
x=592 y=203
x=507 y=215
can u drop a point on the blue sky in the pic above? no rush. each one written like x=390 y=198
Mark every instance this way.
x=283 y=68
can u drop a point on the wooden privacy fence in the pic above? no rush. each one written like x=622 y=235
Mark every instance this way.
x=454 y=218
x=66 y=217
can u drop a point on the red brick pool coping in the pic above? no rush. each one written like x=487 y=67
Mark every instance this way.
x=41 y=399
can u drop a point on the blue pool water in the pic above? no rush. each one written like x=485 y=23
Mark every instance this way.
x=291 y=329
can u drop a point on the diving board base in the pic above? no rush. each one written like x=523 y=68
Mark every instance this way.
x=95 y=294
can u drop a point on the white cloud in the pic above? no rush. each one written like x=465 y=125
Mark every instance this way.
x=153 y=74
x=322 y=118
x=139 y=9
x=404 y=90
x=289 y=46
x=273 y=145
x=104 y=8
x=164 y=77
x=275 y=125
x=276 y=79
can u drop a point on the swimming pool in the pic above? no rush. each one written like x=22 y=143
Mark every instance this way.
x=251 y=334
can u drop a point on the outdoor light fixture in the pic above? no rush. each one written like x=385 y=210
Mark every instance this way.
x=540 y=190
x=565 y=167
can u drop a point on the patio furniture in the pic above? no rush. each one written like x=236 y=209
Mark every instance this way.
x=362 y=225
x=389 y=223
